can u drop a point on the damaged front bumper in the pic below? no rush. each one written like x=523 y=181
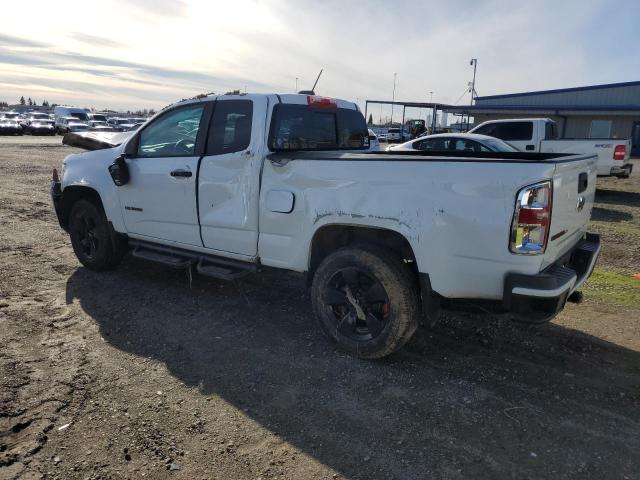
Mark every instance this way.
x=538 y=298
x=56 y=198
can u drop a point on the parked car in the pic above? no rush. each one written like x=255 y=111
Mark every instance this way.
x=40 y=127
x=99 y=126
x=374 y=144
x=70 y=124
x=62 y=114
x=32 y=116
x=272 y=181
x=461 y=142
x=121 y=124
x=10 y=126
x=397 y=135
x=10 y=115
x=541 y=135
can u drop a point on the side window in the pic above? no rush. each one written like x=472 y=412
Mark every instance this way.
x=173 y=134
x=518 y=131
x=230 y=129
x=489 y=130
x=462 y=145
x=600 y=129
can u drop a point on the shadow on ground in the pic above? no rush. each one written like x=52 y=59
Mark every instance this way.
x=617 y=197
x=475 y=397
x=609 y=215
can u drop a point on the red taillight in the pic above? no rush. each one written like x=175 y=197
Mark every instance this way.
x=619 y=152
x=322 y=102
x=531 y=219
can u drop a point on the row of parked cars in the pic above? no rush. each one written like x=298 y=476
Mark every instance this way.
x=64 y=120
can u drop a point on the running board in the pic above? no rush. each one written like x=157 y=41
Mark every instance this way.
x=209 y=265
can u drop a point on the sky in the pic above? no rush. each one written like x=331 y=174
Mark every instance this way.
x=133 y=54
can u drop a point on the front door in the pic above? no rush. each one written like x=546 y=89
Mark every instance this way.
x=635 y=139
x=159 y=202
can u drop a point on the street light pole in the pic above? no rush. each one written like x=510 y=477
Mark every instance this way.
x=393 y=96
x=296 y=85
x=474 y=62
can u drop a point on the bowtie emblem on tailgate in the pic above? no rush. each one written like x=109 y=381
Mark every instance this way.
x=580 y=204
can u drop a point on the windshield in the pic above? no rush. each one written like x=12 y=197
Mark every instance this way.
x=99 y=118
x=80 y=115
x=123 y=122
x=43 y=122
x=301 y=127
x=11 y=115
x=498 y=145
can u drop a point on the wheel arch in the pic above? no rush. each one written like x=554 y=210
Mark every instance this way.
x=71 y=195
x=331 y=237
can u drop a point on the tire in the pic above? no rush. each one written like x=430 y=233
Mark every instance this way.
x=91 y=237
x=366 y=301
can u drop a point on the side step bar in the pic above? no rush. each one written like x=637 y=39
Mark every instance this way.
x=210 y=265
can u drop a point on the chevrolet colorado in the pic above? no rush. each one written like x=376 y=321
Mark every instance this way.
x=230 y=184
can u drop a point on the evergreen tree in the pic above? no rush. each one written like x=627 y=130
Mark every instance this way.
x=22 y=101
x=370 y=122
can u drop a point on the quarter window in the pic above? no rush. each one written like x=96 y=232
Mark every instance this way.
x=230 y=129
x=173 y=134
x=600 y=129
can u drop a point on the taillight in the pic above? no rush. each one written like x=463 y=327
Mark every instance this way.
x=323 y=102
x=619 y=152
x=531 y=219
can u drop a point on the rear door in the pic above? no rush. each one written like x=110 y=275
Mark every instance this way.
x=229 y=175
x=159 y=201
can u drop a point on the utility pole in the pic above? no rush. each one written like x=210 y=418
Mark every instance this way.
x=474 y=63
x=430 y=97
x=296 y=85
x=393 y=96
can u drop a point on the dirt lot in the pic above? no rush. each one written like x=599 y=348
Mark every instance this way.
x=135 y=373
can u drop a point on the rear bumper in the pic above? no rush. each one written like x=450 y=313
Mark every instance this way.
x=538 y=298
x=624 y=171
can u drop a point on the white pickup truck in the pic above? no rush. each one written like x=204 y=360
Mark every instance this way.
x=227 y=185
x=541 y=135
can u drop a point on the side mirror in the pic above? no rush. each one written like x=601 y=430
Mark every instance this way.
x=119 y=171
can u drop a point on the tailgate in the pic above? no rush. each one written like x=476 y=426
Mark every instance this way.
x=574 y=187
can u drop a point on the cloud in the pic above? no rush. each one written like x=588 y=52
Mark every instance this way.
x=95 y=41
x=178 y=49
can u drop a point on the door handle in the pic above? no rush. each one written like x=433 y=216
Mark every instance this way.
x=530 y=147
x=180 y=173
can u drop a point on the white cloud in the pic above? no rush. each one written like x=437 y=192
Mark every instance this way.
x=149 y=53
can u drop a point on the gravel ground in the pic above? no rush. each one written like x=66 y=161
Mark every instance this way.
x=136 y=373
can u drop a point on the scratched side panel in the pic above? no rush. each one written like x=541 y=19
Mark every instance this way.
x=456 y=216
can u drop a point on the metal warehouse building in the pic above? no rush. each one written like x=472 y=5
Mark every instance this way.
x=596 y=111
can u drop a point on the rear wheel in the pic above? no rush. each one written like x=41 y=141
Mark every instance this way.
x=91 y=238
x=366 y=301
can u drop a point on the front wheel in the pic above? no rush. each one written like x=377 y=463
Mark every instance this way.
x=91 y=237
x=366 y=301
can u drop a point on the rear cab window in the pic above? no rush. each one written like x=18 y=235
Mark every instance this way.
x=305 y=127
